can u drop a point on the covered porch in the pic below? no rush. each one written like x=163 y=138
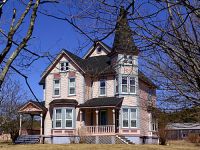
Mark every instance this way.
x=100 y=116
x=34 y=109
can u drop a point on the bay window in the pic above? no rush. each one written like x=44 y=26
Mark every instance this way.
x=58 y=118
x=129 y=117
x=68 y=118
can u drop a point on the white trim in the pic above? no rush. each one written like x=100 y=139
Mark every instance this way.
x=56 y=87
x=58 y=119
x=69 y=86
x=129 y=118
x=69 y=119
x=102 y=88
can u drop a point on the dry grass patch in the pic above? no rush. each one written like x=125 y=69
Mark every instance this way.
x=172 y=146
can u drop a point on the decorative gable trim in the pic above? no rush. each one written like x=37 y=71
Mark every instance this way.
x=91 y=50
x=55 y=62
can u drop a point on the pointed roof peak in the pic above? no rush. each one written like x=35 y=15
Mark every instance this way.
x=123 y=40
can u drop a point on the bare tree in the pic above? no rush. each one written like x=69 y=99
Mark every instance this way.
x=12 y=97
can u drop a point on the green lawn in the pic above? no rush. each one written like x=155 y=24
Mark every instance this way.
x=181 y=145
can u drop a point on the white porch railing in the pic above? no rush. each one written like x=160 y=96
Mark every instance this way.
x=104 y=129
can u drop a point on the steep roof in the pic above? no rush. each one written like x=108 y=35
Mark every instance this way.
x=123 y=40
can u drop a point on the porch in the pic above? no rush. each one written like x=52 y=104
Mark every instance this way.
x=100 y=116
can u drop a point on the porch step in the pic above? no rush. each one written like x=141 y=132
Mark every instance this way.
x=28 y=139
x=124 y=139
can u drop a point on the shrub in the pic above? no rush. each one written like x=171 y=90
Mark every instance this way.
x=194 y=138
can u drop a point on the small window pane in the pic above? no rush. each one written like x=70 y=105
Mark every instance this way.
x=56 y=82
x=125 y=123
x=102 y=91
x=58 y=123
x=132 y=89
x=58 y=113
x=72 y=91
x=124 y=88
x=124 y=80
x=133 y=123
x=68 y=114
x=56 y=92
x=68 y=123
x=132 y=81
x=102 y=84
x=133 y=113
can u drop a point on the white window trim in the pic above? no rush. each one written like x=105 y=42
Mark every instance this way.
x=71 y=86
x=124 y=84
x=58 y=119
x=128 y=84
x=59 y=87
x=133 y=119
x=60 y=66
x=116 y=83
x=129 y=119
x=69 y=119
x=102 y=88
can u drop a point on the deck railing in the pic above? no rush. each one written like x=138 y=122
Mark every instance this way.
x=103 y=129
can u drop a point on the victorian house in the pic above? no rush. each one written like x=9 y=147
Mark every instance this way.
x=100 y=98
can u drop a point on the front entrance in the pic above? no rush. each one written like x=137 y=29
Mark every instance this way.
x=103 y=117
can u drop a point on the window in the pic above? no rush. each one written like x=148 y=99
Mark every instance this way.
x=56 y=87
x=102 y=87
x=68 y=118
x=150 y=94
x=128 y=59
x=154 y=125
x=125 y=117
x=99 y=49
x=124 y=84
x=132 y=85
x=58 y=118
x=72 y=86
x=128 y=85
x=133 y=117
x=116 y=85
x=64 y=66
x=129 y=117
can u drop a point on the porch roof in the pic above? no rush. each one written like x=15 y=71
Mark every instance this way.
x=102 y=102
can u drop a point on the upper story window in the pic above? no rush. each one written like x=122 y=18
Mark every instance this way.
x=129 y=117
x=128 y=85
x=116 y=85
x=128 y=59
x=64 y=66
x=56 y=87
x=99 y=49
x=72 y=86
x=58 y=118
x=102 y=87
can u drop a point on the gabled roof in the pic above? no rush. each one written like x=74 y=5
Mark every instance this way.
x=91 y=49
x=123 y=40
x=102 y=102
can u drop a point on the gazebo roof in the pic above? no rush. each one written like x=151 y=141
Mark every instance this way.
x=33 y=107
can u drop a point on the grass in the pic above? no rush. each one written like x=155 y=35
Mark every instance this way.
x=180 y=145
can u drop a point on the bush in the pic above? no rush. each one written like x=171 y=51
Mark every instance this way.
x=194 y=138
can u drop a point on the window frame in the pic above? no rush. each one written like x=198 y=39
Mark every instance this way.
x=65 y=70
x=129 y=118
x=54 y=88
x=72 y=119
x=132 y=85
x=58 y=119
x=128 y=78
x=124 y=84
x=69 y=86
x=102 y=87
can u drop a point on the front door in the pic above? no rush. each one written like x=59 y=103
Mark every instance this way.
x=103 y=117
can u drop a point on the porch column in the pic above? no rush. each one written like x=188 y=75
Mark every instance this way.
x=81 y=117
x=20 y=124
x=97 y=117
x=41 y=122
x=97 y=120
x=113 y=120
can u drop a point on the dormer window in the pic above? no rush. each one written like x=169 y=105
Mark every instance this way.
x=99 y=49
x=64 y=66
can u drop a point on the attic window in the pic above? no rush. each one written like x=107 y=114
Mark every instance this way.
x=128 y=59
x=99 y=49
x=64 y=66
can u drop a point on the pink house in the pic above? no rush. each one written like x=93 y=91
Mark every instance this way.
x=100 y=98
